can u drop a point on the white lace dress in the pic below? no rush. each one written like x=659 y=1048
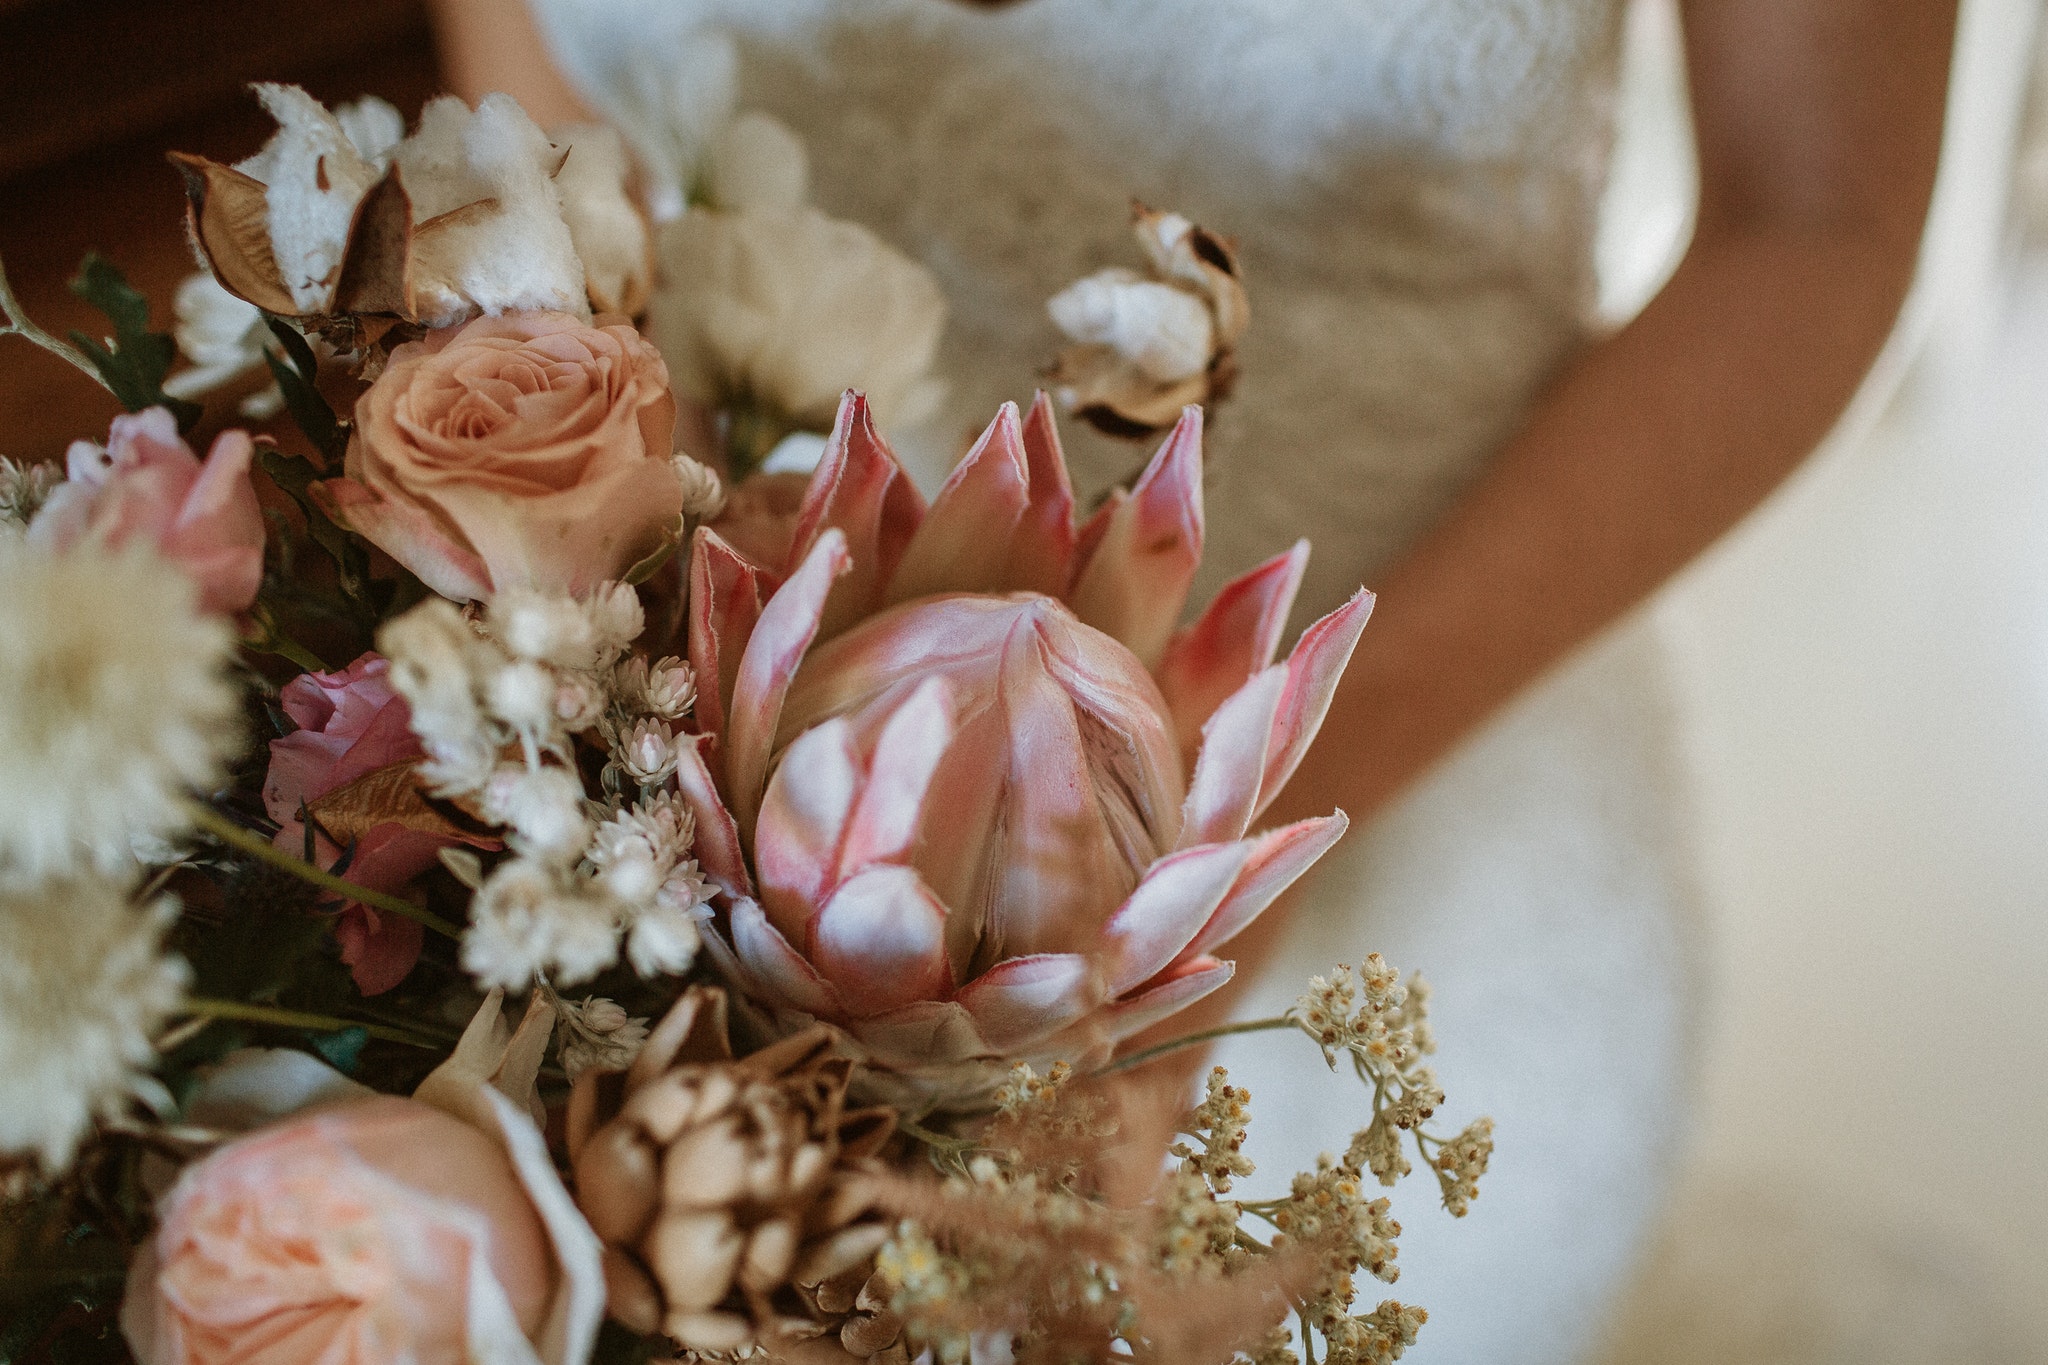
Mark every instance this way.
x=1413 y=185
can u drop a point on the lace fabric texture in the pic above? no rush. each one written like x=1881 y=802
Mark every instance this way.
x=1413 y=184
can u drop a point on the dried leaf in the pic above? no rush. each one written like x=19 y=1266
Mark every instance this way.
x=389 y=795
x=227 y=214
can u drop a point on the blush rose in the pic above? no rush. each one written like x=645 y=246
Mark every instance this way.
x=351 y=724
x=146 y=483
x=526 y=450
x=374 y=1230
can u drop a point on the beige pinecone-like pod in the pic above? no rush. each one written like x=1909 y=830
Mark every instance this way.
x=730 y=1193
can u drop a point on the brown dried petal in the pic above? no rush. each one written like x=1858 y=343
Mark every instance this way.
x=228 y=216
x=771 y=1250
x=707 y=1167
x=630 y=1296
x=694 y=1253
x=840 y=1252
x=617 y=1184
x=694 y=1030
x=664 y=1107
x=376 y=274
x=711 y=1333
x=864 y=1336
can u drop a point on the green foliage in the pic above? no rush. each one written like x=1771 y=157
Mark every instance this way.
x=135 y=360
x=343 y=1049
x=299 y=382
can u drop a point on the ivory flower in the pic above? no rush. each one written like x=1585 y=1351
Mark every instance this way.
x=146 y=484
x=958 y=742
x=526 y=451
x=117 y=706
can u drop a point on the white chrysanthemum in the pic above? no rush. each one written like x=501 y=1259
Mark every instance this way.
x=117 y=703
x=84 y=985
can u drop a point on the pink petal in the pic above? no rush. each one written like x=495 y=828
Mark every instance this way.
x=907 y=753
x=718 y=837
x=1042 y=551
x=1278 y=858
x=218 y=535
x=725 y=602
x=1137 y=578
x=788 y=624
x=1178 y=896
x=379 y=950
x=881 y=940
x=1183 y=986
x=1018 y=1002
x=803 y=817
x=412 y=537
x=1313 y=670
x=780 y=972
x=927 y=1034
x=1231 y=767
x=964 y=544
x=860 y=488
x=1235 y=638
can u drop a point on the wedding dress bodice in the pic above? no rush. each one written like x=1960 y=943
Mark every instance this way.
x=1412 y=184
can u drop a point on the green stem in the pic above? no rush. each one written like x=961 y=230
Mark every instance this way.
x=283 y=1018
x=256 y=846
x=753 y=430
x=1138 y=1059
x=268 y=639
x=15 y=322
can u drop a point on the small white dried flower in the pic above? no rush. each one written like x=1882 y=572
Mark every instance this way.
x=649 y=754
x=1221 y=1122
x=84 y=986
x=528 y=920
x=616 y=617
x=703 y=492
x=670 y=690
x=1161 y=329
x=1459 y=1164
x=542 y=626
x=579 y=703
x=24 y=488
x=596 y=1033
x=543 y=808
x=225 y=338
x=115 y=704
x=662 y=941
x=523 y=695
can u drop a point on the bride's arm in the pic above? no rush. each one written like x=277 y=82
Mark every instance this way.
x=1819 y=123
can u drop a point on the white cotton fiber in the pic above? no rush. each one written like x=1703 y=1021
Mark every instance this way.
x=314 y=178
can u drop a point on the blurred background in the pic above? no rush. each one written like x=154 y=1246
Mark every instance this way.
x=1865 y=664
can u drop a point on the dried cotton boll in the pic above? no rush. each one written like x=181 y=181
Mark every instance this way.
x=1163 y=330
x=117 y=706
x=84 y=986
x=610 y=236
x=313 y=178
x=374 y=126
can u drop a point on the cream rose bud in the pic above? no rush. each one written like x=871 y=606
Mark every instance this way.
x=529 y=450
x=373 y=1230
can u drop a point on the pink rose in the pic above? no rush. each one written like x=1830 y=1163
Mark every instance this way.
x=523 y=450
x=370 y=1231
x=351 y=724
x=146 y=482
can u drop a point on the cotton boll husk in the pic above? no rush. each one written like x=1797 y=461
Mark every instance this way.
x=313 y=179
x=793 y=308
x=513 y=254
x=756 y=162
x=84 y=986
x=609 y=234
x=117 y=705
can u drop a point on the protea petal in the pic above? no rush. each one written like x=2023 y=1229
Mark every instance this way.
x=928 y=1034
x=881 y=941
x=718 y=838
x=778 y=970
x=804 y=816
x=1278 y=858
x=1042 y=550
x=1234 y=638
x=725 y=602
x=1178 y=896
x=1171 y=993
x=860 y=488
x=885 y=821
x=964 y=543
x=1230 y=771
x=1137 y=578
x=788 y=624
x=1313 y=670
x=1018 y=1002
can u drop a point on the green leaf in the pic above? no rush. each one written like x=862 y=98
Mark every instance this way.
x=295 y=476
x=651 y=565
x=342 y=1049
x=300 y=384
x=134 y=360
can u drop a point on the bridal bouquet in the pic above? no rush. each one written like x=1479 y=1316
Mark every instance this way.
x=560 y=853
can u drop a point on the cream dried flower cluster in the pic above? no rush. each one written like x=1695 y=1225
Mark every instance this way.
x=497 y=701
x=117 y=709
x=24 y=487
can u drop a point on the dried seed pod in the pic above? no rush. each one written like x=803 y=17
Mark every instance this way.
x=729 y=1192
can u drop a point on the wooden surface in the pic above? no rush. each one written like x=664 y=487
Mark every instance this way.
x=122 y=198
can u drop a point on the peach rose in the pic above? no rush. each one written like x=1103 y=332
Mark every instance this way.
x=526 y=450
x=146 y=482
x=374 y=1230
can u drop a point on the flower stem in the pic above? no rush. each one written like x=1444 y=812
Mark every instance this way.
x=15 y=322
x=327 y=1023
x=753 y=430
x=1157 y=1050
x=256 y=846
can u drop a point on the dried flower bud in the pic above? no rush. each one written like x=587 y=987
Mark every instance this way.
x=703 y=492
x=649 y=754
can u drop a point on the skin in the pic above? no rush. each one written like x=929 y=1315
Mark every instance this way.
x=1819 y=125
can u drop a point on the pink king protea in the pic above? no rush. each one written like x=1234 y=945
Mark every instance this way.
x=957 y=744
